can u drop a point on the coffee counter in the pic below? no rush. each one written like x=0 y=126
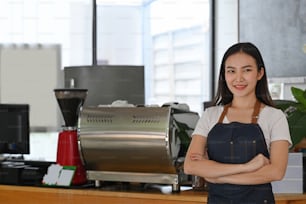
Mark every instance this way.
x=38 y=195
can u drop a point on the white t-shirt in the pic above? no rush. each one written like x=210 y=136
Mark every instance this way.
x=272 y=121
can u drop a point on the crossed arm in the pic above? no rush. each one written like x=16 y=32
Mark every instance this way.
x=257 y=171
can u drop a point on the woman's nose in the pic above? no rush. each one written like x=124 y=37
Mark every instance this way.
x=239 y=76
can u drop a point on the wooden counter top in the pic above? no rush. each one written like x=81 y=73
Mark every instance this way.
x=45 y=195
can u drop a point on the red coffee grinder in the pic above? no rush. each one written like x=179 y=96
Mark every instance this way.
x=70 y=102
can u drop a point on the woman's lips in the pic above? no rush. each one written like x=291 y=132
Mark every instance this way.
x=240 y=87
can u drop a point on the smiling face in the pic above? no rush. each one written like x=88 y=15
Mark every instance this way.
x=241 y=74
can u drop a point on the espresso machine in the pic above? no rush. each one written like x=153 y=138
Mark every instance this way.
x=136 y=144
x=70 y=102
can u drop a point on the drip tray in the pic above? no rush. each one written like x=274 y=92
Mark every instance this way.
x=140 y=187
x=163 y=178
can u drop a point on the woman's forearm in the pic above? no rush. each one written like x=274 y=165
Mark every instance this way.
x=208 y=168
x=263 y=175
x=273 y=171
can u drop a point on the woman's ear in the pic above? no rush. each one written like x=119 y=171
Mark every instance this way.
x=260 y=73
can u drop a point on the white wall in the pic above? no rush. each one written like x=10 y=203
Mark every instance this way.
x=28 y=74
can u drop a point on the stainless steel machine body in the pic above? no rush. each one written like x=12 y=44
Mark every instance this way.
x=135 y=144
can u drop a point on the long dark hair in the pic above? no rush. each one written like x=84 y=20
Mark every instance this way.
x=224 y=95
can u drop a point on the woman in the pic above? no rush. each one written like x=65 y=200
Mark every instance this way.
x=240 y=145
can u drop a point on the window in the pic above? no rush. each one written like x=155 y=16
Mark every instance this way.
x=65 y=22
x=179 y=65
x=169 y=37
x=179 y=59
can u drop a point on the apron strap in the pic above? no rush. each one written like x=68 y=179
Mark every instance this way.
x=224 y=113
x=256 y=111
x=255 y=114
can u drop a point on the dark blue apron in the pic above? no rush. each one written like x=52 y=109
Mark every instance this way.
x=237 y=143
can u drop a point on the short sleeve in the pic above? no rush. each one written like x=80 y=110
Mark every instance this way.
x=274 y=125
x=280 y=128
x=208 y=119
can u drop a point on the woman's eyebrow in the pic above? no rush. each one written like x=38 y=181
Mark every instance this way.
x=232 y=67
x=246 y=66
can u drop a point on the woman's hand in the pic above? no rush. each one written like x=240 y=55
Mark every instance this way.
x=212 y=180
x=256 y=163
x=196 y=156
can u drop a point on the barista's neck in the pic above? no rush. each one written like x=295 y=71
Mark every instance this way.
x=244 y=103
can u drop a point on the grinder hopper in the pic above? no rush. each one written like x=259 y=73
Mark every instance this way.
x=70 y=101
